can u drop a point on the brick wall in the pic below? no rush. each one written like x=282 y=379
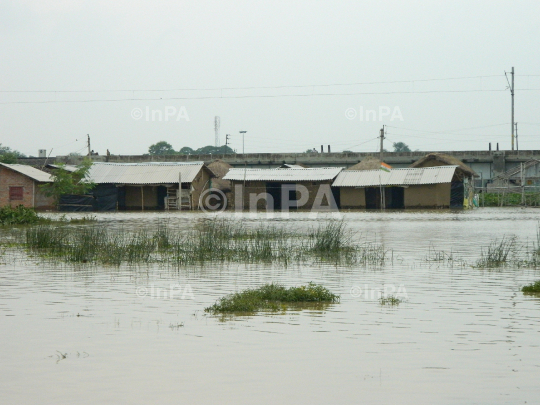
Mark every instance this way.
x=32 y=196
x=10 y=178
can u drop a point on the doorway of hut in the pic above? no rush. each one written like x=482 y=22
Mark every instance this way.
x=276 y=190
x=457 y=194
x=394 y=197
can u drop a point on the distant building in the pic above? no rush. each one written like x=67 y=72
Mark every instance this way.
x=142 y=186
x=264 y=189
x=403 y=188
x=461 y=186
x=19 y=185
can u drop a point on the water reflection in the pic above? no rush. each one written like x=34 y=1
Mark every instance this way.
x=460 y=326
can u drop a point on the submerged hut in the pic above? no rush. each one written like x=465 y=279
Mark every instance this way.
x=461 y=186
x=220 y=189
x=220 y=169
x=268 y=189
x=142 y=186
x=428 y=187
x=19 y=185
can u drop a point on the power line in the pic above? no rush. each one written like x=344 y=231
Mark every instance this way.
x=449 y=131
x=248 y=88
x=249 y=96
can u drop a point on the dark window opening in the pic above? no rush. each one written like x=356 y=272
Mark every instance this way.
x=16 y=193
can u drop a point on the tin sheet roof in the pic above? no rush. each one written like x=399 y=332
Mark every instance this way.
x=291 y=174
x=144 y=173
x=396 y=177
x=29 y=171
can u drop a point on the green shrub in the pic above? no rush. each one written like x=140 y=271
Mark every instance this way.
x=506 y=199
x=533 y=288
x=18 y=216
x=272 y=297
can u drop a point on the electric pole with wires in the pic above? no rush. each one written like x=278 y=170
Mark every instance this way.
x=511 y=87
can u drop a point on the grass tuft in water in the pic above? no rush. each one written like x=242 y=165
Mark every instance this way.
x=499 y=253
x=390 y=300
x=533 y=288
x=271 y=297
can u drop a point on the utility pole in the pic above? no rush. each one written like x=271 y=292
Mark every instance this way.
x=511 y=86
x=243 y=133
x=88 y=142
x=382 y=138
x=517 y=144
x=382 y=189
x=523 y=201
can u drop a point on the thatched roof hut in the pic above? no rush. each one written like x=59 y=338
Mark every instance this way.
x=368 y=163
x=442 y=159
x=220 y=169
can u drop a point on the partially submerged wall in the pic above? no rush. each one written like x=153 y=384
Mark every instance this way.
x=427 y=196
x=353 y=197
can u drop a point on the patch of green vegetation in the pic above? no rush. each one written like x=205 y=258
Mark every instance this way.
x=499 y=253
x=19 y=216
x=85 y=219
x=509 y=199
x=533 y=288
x=211 y=241
x=390 y=300
x=272 y=297
x=69 y=182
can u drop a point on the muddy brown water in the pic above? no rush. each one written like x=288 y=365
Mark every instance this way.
x=139 y=334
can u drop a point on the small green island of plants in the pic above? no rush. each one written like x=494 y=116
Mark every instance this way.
x=272 y=297
x=390 y=300
x=533 y=288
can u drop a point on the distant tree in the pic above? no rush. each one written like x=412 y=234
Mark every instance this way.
x=186 y=150
x=161 y=148
x=69 y=182
x=347 y=151
x=8 y=155
x=401 y=147
x=215 y=150
x=313 y=150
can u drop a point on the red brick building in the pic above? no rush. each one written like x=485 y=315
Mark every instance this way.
x=19 y=185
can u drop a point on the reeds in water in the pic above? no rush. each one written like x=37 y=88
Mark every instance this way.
x=212 y=241
x=499 y=253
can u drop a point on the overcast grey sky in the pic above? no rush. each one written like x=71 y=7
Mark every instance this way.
x=71 y=68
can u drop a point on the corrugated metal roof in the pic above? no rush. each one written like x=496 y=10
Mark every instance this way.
x=68 y=168
x=292 y=174
x=29 y=171
x=144 y=173
x=396 y=177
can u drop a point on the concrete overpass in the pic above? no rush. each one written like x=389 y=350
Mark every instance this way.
x=485 y=163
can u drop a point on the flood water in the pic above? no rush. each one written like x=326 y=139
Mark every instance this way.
x=139 y=334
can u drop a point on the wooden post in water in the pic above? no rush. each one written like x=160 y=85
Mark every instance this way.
x=180 y=189
x=523 y=201
x=482 y=188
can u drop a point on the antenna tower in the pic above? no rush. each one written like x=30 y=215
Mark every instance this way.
x=216 y=129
